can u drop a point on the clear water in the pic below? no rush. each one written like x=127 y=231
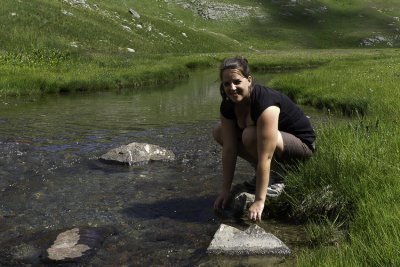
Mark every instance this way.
x=161 y=213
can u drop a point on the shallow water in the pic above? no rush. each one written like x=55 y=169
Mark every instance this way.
x=161 y=213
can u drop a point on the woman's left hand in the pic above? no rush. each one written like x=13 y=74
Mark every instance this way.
x=256 y=210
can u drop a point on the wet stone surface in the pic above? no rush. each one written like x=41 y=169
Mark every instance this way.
x=137 y=153
x=252 y=241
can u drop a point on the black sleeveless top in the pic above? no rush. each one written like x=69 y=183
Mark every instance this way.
x=291 y=118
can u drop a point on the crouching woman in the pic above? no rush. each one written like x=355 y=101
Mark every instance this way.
x=258 y=124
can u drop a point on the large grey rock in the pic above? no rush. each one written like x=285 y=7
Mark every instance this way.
x=135 y=153
x=254 y=240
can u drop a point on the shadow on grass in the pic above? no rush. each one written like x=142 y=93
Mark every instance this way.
x=320 y=24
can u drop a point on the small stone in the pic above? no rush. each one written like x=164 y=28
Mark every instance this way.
x=74 y=44
x=241 y=203
x=126 y=28
x=134 y=13
x=65 y=12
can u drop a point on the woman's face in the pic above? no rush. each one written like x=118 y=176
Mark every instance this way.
x=236 y=86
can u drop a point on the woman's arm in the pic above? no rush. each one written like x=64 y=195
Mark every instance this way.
x=229 y=156
x=267 y=139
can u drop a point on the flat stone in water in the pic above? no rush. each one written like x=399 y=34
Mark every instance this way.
x=74 y=245
x=135 y=153
x=66 y=246
x=253 y=241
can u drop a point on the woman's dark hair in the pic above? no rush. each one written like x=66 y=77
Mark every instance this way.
x=237 y=63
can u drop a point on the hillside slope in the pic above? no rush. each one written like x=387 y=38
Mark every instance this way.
x=187 y=26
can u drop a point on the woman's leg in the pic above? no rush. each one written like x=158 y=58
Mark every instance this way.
x=294 y=149
x=247 y=146
x=242 y=152
x=249 y=139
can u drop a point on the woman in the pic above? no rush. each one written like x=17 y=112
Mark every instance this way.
x=257 y=124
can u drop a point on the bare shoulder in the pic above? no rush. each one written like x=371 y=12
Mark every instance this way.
x=269 y=115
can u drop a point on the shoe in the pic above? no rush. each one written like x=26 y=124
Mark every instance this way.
x=275 y=190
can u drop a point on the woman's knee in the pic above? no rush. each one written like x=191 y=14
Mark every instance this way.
x=217 y=133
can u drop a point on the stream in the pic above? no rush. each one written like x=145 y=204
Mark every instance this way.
x=158 y=214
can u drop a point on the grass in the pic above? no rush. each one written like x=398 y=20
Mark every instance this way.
x=349 y=191
x=348 y=194
x=46 y=75
x=57 y=46
x=352 y=85
x=361 y=166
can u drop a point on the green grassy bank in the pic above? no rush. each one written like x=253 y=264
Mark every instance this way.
x=354 y=181
x=24 y=75
x=69 y=45
x=349 y=193
x=346 y=60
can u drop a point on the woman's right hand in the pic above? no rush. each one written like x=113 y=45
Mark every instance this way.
x=221 y=200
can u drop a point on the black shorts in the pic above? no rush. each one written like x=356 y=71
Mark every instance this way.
x=294 y=149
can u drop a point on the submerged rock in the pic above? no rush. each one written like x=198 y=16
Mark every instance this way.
x=253 y=241
x=76 y=245
x=66 y=246
x=135 y=153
